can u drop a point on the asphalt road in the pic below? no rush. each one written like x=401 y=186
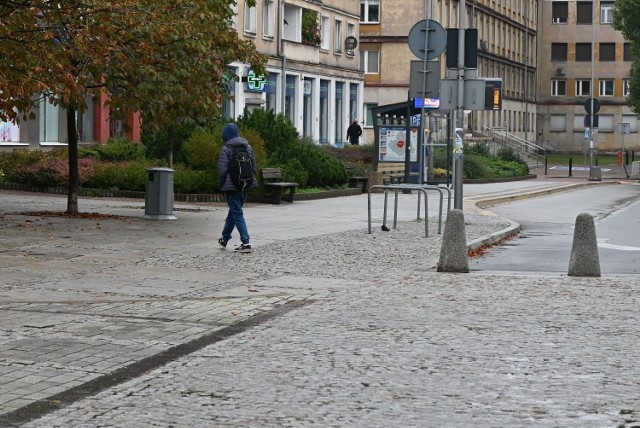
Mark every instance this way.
x=544 y=244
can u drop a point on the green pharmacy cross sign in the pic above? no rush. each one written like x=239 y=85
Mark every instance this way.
x=256 y=83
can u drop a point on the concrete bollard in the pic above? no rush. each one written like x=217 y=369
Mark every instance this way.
x=453 y=252
x=584 y=252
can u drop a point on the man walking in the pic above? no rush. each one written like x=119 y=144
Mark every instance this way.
x=236 y=175
x=354 y=132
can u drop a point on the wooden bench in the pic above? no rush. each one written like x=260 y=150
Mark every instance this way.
x=274 y=189
x=357 y=181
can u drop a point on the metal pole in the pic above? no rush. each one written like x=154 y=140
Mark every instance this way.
x=424 y=96
x=593 y=89
x=458 y=167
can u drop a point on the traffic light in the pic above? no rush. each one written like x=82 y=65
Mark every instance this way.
x=493 y=94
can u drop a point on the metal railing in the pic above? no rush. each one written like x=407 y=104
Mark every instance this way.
x=500 y=137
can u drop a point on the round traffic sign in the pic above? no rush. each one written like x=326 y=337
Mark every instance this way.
x=596 y=105
x=437 y=39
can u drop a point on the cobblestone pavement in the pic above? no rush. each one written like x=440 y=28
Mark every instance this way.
x=333 y=327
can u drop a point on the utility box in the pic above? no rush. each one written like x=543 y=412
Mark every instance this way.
x=596 y=174
x=158 y=203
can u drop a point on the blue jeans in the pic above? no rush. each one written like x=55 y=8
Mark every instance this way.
x=235 y=217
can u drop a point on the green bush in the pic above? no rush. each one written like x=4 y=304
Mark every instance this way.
x=476 y=166
x=121 y=175
x=13 y=162
x=277 y=131
x=114 y=150
x=478 y=148
x=201 y=151
x=157 y=143
x=294 y=172
x=187 y=180
x=1 y=177
x=323 y=169
x=508 y=154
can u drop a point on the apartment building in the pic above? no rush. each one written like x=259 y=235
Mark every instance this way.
x=582 y=56
x=506 y=49
x=314 y=76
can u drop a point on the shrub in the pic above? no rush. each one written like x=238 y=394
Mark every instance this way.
x=439 y=173
x=121 y=175
x=13 y=162
x=187 y=180
x=156 y=143
x=1 y=177
x=293 y=171
x=323 y=170
x=277 y=131
x=477 y=148
x=201 y=151
x=475 y=166
x=54 y=172
x=508 y=154
x=114 y=150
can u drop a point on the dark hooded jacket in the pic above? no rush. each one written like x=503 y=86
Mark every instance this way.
x=231 y=140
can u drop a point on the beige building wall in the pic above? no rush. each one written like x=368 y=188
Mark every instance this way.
x=506 y=49
x=313 y=78
x=561 y=113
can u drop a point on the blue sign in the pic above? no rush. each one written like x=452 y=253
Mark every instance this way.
x=430 y=103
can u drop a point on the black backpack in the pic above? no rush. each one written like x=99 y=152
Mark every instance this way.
x=241 y=168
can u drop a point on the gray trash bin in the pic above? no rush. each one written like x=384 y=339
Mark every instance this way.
x=158 y=204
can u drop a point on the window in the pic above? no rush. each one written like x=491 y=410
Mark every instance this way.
x=558 y=88
x=290 y=98
x=324 y=111
x=583 y=51
x=307 y=107
x=351 y=32
x=326 y=33
x=560 y=11
x=370 y=11
x=353 y=101
x=84 y=121
x=249 y=19
x=369 y=62
x=49 y=121
x=368 y=109
x=340 y=129
x=627 y=52
x=584 y=12
x=632 y=120
x=268 y=19
x=337 y=37
x=583 y=87
x=606 y=12
x=606 y=87
x=558 y=123
x=626 y=87
x=607 y=52
x=271 y=91
x=605 y=123
x=9 y=131
x=558 y=51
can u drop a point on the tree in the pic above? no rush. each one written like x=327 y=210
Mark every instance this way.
x=626 y=19
x=164 y=58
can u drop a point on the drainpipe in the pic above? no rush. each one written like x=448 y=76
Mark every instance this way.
x=281 y=55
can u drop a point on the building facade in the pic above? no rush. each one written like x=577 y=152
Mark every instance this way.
x=506 y=49
x=314 y=76
x=48 y=130
x=583 y=57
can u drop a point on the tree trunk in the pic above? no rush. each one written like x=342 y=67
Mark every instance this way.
x=72 y=132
